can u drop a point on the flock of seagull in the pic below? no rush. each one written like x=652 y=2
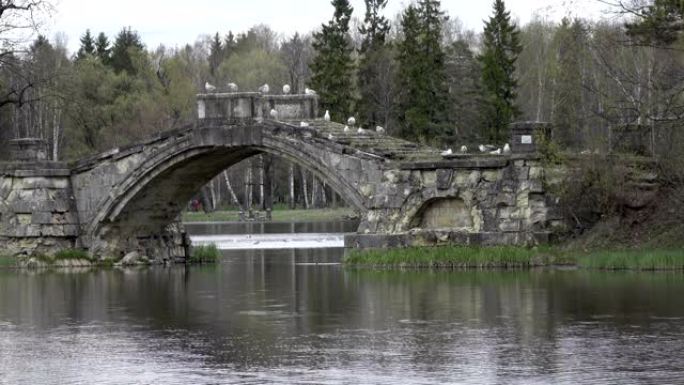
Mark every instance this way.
x=351 y=122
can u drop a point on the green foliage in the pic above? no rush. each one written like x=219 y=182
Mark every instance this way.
x=660 y=22
x=423 y=101
x=568 y=119
x=634 y=260
x=501 y=47
x=7 y=261
x=72 y=254
x=87 y=46
x=457 y=257
x=463 y=74
x=333 y=66
x=253 y=68
x=102 y=49
x=204 y=254
x=127 y=47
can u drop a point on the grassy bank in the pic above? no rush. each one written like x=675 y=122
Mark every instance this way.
x=517 y=257
x=277 y=215
x=204 y=254
x=457 y=257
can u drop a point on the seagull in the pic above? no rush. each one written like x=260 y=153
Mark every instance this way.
x=464 y=150
x=264 y=89
x=447 y=152
x=351 y=121
x=507 y=149
x=496 y=152
x=485 y=148
x=346 y=128
x=379 y=129
x=209 y=87
x=303 y=124
x=232 y=87
x=274 y=114
x=286 y=89
x=360 y=131
x=309 y=91
x=331 y=137
x=326 y=117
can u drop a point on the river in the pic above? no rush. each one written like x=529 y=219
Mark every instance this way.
x=298 y=317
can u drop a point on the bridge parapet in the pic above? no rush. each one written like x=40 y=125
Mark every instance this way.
x=246 y=106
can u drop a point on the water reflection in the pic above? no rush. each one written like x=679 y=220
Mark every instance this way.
x=297 y=317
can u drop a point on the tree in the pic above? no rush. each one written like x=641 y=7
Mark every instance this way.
x=568 y=116
x=660 y=22
x=87 y=46
x=216 y=54
x=102 y=49
x=465 y=91
x=501 y=47
x=296 y=54
x=422 y=74
x=375 y=67
x=126 y=46
x=333 y=66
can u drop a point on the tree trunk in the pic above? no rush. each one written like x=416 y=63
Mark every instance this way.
x=293 y=201
x=305 y=189
x=267 y=187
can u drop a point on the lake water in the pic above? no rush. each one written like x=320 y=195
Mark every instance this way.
x=298 y=317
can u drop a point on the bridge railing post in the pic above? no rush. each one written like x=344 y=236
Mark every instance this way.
x=526 y=136
x=28 y=150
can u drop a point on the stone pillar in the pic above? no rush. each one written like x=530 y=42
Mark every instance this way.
x=525 y=135
x=28 y=150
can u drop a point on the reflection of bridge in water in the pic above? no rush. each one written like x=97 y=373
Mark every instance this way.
x=130 y=198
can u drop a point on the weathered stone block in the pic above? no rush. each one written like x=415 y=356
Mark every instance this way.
x=444 y=179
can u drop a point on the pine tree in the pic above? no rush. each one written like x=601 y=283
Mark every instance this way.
x=87 y=46
x=567 y=117
x=500 y=52
x=333 y=65
x=374 y=64
x=102 y=49
x=216 y=52
x=127 y=43
x=422 y=75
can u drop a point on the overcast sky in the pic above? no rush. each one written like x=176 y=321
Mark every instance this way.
x=177 y=22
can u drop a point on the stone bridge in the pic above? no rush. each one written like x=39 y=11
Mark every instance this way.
x=130 y=198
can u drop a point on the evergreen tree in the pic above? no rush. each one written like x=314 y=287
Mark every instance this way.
x=87 y=46
x=333 y=66
x=102 y=49
x=126 y=45
x=375 y=62
x=660 y=22
x=422 y=75
x=567 y=117
x=463 y=74
x=500 y=51
x=229 y=45
x=215 y=54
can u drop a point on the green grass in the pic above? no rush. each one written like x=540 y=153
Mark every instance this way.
x=634 y=260
x=72 y=254
x=204 y=254
x=7 y=261
x=277 y=215
x=458 y=257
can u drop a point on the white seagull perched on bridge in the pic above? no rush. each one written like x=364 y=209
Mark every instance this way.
x=303 y=124
x=507 y=149
x=232 y=87
x=326 y=117
x=379 y=130
x=264 y=89
x=447 y=152
x=464 y=150
x=331 y=137
x=351 y=121
x=286 y=89
x=485 y=148
x=274 y=114
x=309 y=91
x=209 y=87
x=346 y=129
x=496 y=152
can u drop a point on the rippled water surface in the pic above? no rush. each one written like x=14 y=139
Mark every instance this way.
x=298 y=317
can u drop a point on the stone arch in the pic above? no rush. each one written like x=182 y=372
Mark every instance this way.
x=447 y=212
x=151 y=196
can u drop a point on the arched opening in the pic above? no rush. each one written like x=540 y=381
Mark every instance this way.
x=152 y=198
x=444 y=213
